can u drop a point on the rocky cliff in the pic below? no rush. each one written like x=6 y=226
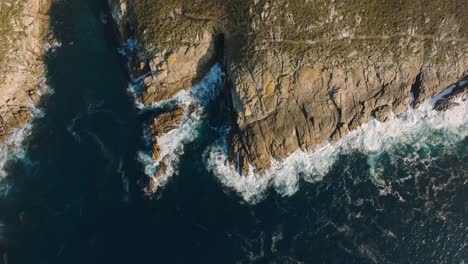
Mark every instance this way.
x=316 y=80
x=302 y=72
x=23 y=26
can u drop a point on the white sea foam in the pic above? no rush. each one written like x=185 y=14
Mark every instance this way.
x=172 y=143
x=52 y=46
x=416 y=128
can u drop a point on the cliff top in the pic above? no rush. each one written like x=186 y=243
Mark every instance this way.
x=320 y=28
x=173 y=22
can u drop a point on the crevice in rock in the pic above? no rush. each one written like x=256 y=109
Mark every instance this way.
x=298 y=137
x=416 y=89
x=339 y=123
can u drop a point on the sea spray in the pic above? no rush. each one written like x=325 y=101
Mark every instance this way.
x=420 y=128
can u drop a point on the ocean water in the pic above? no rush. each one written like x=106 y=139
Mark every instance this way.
x=73 y=190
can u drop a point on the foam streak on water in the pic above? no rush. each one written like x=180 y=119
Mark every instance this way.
x=419 y=128
x=172 y=143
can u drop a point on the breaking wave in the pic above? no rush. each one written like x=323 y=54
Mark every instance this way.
x=412 y=135
x=172 y=143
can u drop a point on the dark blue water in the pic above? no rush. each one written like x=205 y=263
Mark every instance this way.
x=81 y=199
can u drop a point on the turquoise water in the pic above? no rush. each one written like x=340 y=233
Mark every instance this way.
x=78 y=195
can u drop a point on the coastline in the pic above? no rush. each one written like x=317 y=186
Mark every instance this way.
x=22 y=72
x=282 y=102
x=22 y=67
x=413 y=133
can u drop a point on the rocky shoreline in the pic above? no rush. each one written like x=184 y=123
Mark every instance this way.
x=24 y=25
x=162 y=73
x=296 y=83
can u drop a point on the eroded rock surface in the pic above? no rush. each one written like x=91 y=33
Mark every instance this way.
x=22 y=30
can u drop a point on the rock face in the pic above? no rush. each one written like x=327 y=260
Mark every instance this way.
x=22 y=30
x=304 y=72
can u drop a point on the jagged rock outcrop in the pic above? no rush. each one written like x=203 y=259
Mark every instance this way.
x=161 y=124
x=305 y=72
x=23 y=26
